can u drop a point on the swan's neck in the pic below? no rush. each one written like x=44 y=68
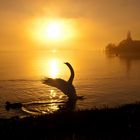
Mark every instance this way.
x=72 y=74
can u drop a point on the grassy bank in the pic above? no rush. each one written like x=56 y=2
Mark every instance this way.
x=108 y=123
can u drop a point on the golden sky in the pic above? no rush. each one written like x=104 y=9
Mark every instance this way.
x=94 y=23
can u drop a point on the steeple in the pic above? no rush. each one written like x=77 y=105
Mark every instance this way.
x=129 y=38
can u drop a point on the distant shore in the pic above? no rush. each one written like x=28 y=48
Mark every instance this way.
x=108 y=123
x=126 y=46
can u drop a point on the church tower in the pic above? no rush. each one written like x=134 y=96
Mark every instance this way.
x=129 y=38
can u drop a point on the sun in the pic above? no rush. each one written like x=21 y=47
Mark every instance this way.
x=52 y=30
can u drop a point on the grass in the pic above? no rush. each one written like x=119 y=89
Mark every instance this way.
x=108 y=123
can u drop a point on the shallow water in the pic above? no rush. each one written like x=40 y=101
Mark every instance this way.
x=102 y=79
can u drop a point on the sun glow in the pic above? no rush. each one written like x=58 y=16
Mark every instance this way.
x=52 y=30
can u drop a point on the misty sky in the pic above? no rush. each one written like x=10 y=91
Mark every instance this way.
x=110 y=19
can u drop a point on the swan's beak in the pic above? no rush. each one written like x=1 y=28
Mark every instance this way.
x=66 y=63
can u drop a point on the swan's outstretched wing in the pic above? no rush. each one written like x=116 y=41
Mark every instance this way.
x=58 y=83
x=64 y=86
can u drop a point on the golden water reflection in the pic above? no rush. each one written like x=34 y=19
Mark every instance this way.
x=53 y=69
x=49 y=67
x=56 y=99
x=55 y=95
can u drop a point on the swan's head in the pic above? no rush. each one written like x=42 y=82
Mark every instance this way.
x=67 y=63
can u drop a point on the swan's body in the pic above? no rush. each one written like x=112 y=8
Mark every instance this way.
x=65 y=86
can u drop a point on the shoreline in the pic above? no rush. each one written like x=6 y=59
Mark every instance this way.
x=122 y=122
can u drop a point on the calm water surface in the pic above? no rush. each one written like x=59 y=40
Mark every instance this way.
x=100 y=78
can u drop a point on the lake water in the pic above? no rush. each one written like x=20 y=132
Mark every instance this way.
x=102 y=80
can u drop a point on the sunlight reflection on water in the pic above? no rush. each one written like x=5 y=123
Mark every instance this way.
x=45 y=107
x=100 y=79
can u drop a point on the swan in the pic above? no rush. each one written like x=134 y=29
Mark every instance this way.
x=65 y=86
